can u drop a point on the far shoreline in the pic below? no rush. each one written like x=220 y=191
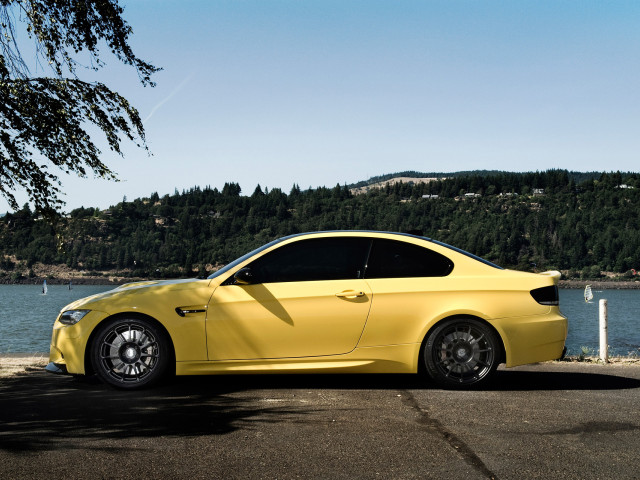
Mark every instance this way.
x=116 y=280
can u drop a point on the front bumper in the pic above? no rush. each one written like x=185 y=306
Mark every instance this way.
x=57 y=368
x=69 y=343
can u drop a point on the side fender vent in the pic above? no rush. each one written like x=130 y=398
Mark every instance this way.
x=183 y=311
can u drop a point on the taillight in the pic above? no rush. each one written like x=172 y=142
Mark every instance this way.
x=546 y=295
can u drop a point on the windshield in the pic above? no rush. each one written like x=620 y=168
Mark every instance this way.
x=238 y=261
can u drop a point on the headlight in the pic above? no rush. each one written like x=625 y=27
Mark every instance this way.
x=71 y=317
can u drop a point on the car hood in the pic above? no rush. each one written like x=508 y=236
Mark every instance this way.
x=163 y=283
x=138 y=288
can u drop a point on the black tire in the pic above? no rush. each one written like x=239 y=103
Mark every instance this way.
x=461 y=353
x=130 y=353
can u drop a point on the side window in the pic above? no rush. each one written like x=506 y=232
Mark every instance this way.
x=394 y=259
x=315 y=259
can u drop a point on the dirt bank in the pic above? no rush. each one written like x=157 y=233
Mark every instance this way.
x=601 y=285
x=13 y=364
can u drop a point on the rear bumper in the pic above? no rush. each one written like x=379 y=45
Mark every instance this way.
x=533 y=339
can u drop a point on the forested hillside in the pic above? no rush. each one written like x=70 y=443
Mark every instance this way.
x=582 y=223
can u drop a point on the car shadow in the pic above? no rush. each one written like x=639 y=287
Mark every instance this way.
x=512 y=380
x=39 y=411
x=503 y=380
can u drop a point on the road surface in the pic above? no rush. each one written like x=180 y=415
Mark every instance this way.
x=552 y=420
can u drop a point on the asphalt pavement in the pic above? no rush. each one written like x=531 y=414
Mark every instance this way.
x=552 y=420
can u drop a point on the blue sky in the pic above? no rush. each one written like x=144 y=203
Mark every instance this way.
x=325 y=92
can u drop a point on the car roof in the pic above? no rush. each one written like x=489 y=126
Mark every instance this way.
x=400 y=234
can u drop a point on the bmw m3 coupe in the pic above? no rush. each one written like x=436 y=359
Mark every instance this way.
x=342 y=301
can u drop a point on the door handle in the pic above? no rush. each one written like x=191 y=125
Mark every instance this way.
x=350 y=294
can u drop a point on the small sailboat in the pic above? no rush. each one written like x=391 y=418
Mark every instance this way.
x=44 y=288
x=588 y=294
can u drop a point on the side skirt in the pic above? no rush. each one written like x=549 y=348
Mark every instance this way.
x=386 y=359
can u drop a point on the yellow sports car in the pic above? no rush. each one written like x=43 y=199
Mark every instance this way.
x=332 y=302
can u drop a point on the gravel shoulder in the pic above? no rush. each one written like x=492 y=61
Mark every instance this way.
x=14 y=364
x=20 y=363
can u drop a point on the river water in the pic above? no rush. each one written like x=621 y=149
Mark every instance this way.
x=26 y=317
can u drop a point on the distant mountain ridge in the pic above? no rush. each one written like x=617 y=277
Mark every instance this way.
x=577 y=177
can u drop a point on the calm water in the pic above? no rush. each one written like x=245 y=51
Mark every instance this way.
x=624 y=321
x=26 y=317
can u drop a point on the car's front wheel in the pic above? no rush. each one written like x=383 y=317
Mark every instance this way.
x=461 y=352
x=130 y=353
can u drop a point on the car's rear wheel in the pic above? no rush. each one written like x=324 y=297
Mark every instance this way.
x=130 y=353
x=461 y=352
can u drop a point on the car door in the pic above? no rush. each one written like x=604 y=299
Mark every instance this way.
x=409 y=284
x=307 y=298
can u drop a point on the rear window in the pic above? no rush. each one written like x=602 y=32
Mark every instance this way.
x=394 y=259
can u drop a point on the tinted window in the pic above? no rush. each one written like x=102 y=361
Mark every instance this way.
x=238 y=261
x=316 y=259
x=470 y=255
x=390 y=258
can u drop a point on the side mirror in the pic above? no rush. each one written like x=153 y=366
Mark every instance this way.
x=244 y=276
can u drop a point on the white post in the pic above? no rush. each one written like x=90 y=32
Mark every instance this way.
x=604 y=347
